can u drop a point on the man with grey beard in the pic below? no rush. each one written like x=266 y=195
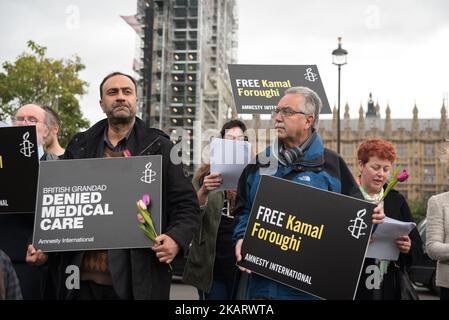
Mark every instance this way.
x=127 y=273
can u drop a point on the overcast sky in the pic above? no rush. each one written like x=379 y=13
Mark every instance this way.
x=398 y=50
x=91 y=29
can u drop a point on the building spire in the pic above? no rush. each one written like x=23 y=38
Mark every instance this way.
x=371 y=111
x=361 y=122
x=443 y=122
x=415 y=122
x=388 y=125
x=377 y=109
x=346 y=117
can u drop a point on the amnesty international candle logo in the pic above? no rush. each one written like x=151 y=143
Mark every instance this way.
x=358 y=224
x=310 y=76
x=295 y=236
x=258 y=88
x=94 y=208
x=26 y=147
x=148 y=174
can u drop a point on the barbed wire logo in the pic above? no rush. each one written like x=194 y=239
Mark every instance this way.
x=148 y=174
x=310 y=76
x=358 y=225
x=26 y=146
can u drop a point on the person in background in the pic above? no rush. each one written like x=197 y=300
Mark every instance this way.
x=437 y=235
x=375 y=161
x=210 y=264
x=9 y=283
x=53 y=123
x=16 y=230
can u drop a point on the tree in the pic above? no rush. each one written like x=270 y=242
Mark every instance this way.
x=418 y=208
x=35 y=78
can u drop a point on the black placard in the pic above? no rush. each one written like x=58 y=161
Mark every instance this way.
x=19 y=168
x=258 y=88
x=307 y=238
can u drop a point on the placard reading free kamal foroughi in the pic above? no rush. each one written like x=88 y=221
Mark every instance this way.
x=258 y=88
x=90 y=204
x=310 y=239
x=19 y=168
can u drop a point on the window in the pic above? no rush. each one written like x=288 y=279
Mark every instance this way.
x=348 y=150
x=429 y=174
x=429 y=150
x=181 y=2
x=401 y=150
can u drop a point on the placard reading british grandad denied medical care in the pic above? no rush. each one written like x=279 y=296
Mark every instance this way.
x=90 y=204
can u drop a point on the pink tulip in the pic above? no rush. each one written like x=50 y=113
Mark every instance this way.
x=146 y=199
x=402 y=176
x=140 y=218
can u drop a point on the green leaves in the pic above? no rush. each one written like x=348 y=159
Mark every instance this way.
x=35 y=78
x=147 y=224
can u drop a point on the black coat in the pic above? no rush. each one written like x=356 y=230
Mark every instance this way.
x=395 y=207
x=16 y=232
x=136 y=273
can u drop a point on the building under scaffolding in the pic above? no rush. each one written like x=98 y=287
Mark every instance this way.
x=185 y=48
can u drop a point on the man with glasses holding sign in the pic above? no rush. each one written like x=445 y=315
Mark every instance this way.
x=297 y=155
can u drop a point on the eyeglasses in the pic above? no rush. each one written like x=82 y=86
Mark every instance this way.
x=287 y=112
x=30 y=120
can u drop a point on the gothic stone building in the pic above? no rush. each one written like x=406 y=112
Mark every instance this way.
x=419 y=144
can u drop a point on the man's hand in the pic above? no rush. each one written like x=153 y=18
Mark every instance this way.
x=378 y=214
x=404 y=244
x=238 y=255
x=165 y=248
x=35 y=257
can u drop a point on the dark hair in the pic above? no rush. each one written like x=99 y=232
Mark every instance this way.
x=232 y=124
x=51 y=117
x=116 y=73
x=204 y=169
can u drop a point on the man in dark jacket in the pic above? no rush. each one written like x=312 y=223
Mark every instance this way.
x=127 y=273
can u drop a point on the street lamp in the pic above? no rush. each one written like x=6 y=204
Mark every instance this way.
x=339 y=57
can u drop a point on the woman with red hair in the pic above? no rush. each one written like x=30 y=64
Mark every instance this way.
x=375 y=160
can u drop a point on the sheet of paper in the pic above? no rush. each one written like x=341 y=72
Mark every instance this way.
x=384 y=239
x=229 y=158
